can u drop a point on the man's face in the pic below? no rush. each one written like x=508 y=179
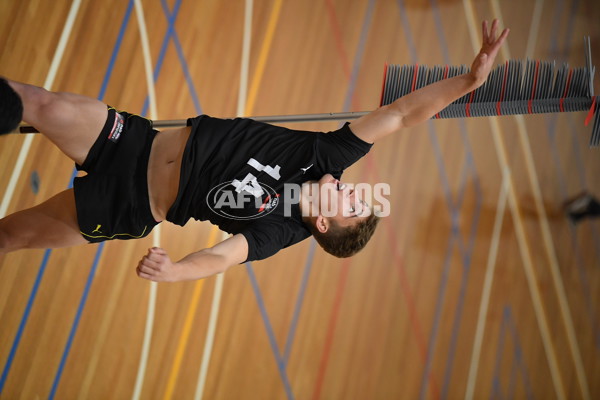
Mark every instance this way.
x=340 y=203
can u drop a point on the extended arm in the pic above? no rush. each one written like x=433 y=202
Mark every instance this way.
x=157 y=266
x=419 y=106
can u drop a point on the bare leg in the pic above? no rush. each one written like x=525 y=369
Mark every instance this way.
x=51 y=224
x=71 y=121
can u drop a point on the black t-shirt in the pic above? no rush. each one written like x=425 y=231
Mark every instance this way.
x=234 y=171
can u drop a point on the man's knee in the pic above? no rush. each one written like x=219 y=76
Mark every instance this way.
x=39 y=104
x=47 y=105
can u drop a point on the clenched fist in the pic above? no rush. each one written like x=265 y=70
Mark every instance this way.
x=157 y=266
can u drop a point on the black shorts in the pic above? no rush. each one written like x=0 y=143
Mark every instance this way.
x=112 y=199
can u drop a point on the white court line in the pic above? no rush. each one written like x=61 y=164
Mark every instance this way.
x=487 y=288
x=547 y=234
x=491 y=265
x=210 y=334
x=26 y=146
x=139 y=12
x=519 y=230
x=533 y=28
x=243 y=89
x=241 y=107
x=143 y=365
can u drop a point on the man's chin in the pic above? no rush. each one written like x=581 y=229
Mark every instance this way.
x=327 y=178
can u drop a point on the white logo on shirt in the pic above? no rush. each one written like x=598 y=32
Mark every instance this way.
x=306 y=169
x=250 y=184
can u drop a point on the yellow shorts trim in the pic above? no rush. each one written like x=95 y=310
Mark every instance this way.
x=115 y=235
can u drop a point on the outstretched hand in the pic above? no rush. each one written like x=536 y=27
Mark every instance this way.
x=484 y=61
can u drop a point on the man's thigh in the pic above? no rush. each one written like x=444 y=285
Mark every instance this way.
x=51 y=224
x=71 y=121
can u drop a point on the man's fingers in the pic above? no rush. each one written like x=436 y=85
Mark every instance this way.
x=145 y=269
x=492 y=35
x=503 y=35
x=142 y=273
x=155 y=257
x=485 y=31
x=156 y=266
x=157 y=250
x=498 y=43
x=149 y=262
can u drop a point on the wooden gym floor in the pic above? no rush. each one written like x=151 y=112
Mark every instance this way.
x=476 y=286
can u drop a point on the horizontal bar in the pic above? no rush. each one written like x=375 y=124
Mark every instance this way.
x=174 y=123
x=280 y=118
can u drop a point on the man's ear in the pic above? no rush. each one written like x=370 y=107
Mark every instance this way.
x=322 y=224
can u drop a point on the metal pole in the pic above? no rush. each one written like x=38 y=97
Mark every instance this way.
x=174 y=123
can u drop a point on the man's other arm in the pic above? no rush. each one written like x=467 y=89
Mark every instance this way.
x=157 y=265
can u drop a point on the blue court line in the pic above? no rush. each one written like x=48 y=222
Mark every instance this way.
x=281 y=364
x=444 y=277
x=24 y=318
x=466 y=253
x=171 y=17
x=299 y=301
x=163 y=48
x=454 y=208
x=172 y=34
x=551 y=123
x=100 y=248
x=113 y=58
x=518 y=365
x=496 y=389
x=359 y=54
x=184 y=65
x=99 y=252
x=42 y=269
x=282 y=361
x=82 y=302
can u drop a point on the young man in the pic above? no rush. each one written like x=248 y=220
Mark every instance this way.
x=230 y=172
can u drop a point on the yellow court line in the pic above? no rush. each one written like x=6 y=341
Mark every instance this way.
x=257 y=77
x=262 y=58
x=217 y=294
x=547 y=236
x=524 y=247
x=210 y=333
x=187 y=325
x=216 y=301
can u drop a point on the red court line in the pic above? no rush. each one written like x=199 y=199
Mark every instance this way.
x=339 y=293
x=404 y=281
x=339 y=44
x=407 y=292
